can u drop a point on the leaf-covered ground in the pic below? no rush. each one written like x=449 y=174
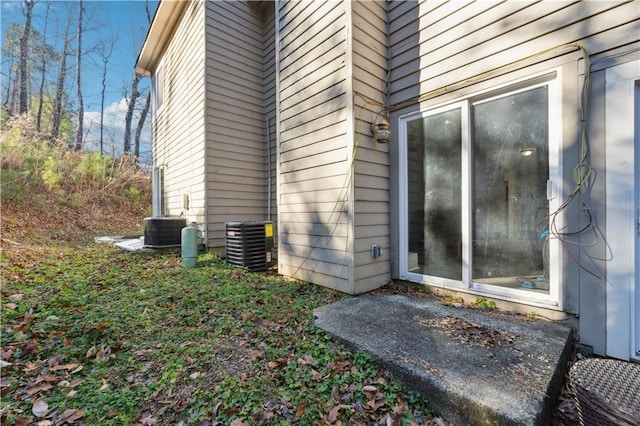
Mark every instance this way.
x=97 y=336
x=100 y=336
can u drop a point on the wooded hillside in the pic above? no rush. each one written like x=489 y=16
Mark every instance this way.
x=51 y=194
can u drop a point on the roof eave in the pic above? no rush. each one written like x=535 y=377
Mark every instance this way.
x=160 y=32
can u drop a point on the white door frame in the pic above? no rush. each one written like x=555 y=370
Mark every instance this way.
x=621 y=208
x=553 y=300
x=635 y=353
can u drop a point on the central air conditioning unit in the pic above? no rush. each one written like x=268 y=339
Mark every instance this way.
x=249 y=244
x=163 y=232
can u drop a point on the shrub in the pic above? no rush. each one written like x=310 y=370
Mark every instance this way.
x=33 y=159
x=50 y=175
x=132 y=192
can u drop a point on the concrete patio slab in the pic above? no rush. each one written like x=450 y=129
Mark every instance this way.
x=475 y=367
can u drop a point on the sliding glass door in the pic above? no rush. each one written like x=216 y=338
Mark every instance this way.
x=434 y=194
x=476 y=192
x=509 y=206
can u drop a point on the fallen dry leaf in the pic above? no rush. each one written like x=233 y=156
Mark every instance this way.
x=104 y=353
x=388 y=420
x=75 y=383
x=399 y=409
x=315 y=375
x=16 y=297
x=30 y=347
x=375 y=404
x=6 y=354
x=31 y=366
x=300 y=410
x=40 y=408
x=339 y=366
x=232 y=411
x=48 y=378
x=64 y=367
x=332 y=416
x=73 y=415
x=149 y=421
x=91 y=352
x=272 y=364
x=38 y=388
x=142 y=352
x=101 y=326
x=5 y=383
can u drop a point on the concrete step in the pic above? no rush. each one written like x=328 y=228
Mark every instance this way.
x=475 y=367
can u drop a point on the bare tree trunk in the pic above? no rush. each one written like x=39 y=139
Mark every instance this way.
x=7 y=100
x=105 y=52
x=13 y=105
x=143 y=117
x=24 y=57
x=79 y=134
x=62 y=73
x=129 y=117
x=105 y=61
x=147 y=103
x=44 y=69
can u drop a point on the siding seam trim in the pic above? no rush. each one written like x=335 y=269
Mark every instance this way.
x=352 y=143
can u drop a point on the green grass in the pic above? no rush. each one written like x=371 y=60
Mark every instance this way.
x=114 y=337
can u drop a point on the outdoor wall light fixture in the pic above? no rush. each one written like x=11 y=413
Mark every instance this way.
x=380 y=130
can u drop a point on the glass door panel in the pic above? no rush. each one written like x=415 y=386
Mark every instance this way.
x=510 y=170
x=434 y=201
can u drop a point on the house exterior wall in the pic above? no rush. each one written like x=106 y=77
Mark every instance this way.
x=178 y=124
x=315 y=205
x=333 y=190
x=444 y=51
x=371 y=163
x=237 y=99
x=267 y=116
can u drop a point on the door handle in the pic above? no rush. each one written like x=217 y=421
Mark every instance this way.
x=552 y=190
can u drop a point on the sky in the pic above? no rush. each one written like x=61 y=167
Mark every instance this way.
x=121 y=24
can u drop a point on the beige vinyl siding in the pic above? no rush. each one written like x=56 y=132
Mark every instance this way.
x=371 y=166
x=178 y=127
x=235 y=115
x=314 y=188
x=435 y=45
x=269 y=88
x=332 y=206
